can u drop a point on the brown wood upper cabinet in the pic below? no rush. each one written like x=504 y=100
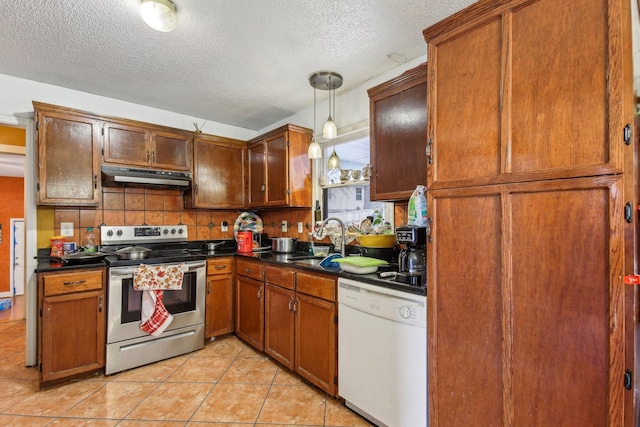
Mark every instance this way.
x=279 y=168
x=398 y=135
x=218 y=173
x=128 y=143
x=535 y=105
x=68 y=157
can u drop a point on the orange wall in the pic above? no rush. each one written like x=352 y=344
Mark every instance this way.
x=12 y=206
x=12 y=136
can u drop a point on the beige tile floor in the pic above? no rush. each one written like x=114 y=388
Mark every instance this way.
x=225 y=384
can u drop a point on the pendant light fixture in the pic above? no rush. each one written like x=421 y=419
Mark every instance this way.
x=334 y=160
x=315 y=151
x=159 y=14
x=329 y=130
x=327 y=80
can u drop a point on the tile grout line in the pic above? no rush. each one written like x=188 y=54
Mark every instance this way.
x=215 y=384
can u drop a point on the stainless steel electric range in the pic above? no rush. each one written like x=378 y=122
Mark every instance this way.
x=127 y=345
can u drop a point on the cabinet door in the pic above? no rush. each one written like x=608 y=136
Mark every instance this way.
x=279 y=324
x=126 y=145
x=73 y=340
x=536 y=337
x=171 y=151
x=315 y=352
x=68 y=160
x=277 y=170
x=219 y=179
x=257 y=174
x=541 y=102
x=399 y=135
x=250 y=311
x=219 y=305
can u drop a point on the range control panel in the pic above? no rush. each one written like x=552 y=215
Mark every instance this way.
x=110 y=235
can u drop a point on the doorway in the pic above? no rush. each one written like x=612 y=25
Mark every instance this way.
x=14 y=134
x=16 y=281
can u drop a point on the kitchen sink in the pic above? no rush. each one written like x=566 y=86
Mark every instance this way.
x=308 y=262
x=303 y=257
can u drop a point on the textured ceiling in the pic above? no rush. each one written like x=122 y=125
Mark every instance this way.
x=244 y=63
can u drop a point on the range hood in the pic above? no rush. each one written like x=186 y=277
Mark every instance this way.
x=121 y=176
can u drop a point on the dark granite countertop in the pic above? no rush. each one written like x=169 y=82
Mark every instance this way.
x=45 y=265
x=372 y=278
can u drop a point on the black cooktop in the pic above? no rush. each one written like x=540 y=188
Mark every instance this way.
x=161 y=253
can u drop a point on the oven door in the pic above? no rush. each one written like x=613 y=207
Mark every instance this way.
x=124 y=303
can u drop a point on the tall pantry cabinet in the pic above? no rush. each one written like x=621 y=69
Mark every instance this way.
x=532 y=194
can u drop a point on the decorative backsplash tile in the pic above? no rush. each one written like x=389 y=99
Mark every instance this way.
x=140 y=206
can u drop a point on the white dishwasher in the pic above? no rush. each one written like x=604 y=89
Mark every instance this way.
x=382 y=353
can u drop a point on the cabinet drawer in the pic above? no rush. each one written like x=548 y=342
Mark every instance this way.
x=219 y=266
x=72 y=282
x=280 y=276
x=251 y=269
x=317 y=286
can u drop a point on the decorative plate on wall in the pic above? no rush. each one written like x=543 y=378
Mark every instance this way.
x=247 y=221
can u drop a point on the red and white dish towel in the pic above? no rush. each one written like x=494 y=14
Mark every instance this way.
x=153 y=281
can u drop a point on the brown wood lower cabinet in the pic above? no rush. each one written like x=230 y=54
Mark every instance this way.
x=250 y=302
x=219 y=304
x=72 y=323
x=300 y=324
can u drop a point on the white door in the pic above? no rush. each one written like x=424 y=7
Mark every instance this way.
x=17 y=256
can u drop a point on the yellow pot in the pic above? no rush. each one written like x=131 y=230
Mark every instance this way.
x=377 y=240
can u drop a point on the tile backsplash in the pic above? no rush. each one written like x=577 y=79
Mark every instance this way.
x=144 y=206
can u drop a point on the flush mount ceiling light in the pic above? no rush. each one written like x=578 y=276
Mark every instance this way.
x=159 y=14
x=328 y=80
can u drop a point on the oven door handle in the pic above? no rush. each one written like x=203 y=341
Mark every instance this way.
x=123 y=272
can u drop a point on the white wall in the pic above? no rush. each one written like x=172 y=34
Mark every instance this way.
x=351 y=106
x=17 y=95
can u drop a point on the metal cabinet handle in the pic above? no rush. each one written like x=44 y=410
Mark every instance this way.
x=148 y=155
x=295 y=305
x=100 y=304
x=263 y=188
x=77 y=282
x=290 y=301
x=259 y=293
x=154 y=156
x=208 y=287
x=95 y=181
x=219 y=267
x=249 y=270
x=427 y=151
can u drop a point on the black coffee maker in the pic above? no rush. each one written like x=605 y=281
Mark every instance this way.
x=412 y=263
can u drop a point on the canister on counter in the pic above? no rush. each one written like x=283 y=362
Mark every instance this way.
x=245 y=241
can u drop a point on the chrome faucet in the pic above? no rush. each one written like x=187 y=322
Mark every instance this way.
x=316 y=235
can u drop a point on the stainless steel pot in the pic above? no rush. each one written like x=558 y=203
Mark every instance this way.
x=283 y=244
x=132 y=252
x=211 y=246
